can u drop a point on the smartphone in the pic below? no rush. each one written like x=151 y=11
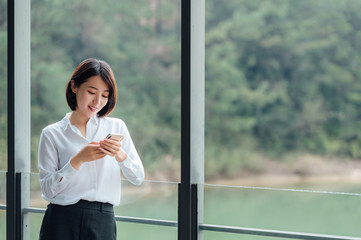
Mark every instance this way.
x=115 y=136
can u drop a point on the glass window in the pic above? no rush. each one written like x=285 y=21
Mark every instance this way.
x=157 y=200
x=141 y=42
x=282 y=112
x=131 y=231
x=308 y=211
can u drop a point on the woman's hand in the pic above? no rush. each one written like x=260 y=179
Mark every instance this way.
x=113 y=147
x=89 y=153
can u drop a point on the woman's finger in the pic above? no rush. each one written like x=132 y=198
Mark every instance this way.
x=110 y=147
x=115 y=142
x=96 y=151
x=106 y=152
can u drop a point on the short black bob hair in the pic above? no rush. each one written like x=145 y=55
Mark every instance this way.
x=87 y=69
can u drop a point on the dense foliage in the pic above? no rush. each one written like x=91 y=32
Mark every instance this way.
x=282 y=76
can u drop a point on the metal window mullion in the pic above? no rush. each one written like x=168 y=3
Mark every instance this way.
x=18 y=118
x=184 y=189
x=190 y=208
x=10 y=175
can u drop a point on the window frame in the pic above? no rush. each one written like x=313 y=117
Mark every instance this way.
x=190 y=202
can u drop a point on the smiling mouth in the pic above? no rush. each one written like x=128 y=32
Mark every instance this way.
x=93 y=109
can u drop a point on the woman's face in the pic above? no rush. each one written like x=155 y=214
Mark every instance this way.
x=91 y=96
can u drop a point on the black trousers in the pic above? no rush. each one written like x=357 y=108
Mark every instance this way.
x=81 y=221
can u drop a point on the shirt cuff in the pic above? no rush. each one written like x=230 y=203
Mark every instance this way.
x=126 y=162
x=68 y=170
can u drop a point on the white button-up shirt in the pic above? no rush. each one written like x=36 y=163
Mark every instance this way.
x=98 y=180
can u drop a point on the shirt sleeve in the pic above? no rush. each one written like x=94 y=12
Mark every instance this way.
x=52 y=179
x=131 y=167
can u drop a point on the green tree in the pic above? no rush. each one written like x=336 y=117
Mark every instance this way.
x=283 y=75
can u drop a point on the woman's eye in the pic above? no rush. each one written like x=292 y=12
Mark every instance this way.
x=91 y=92
x=105 y=96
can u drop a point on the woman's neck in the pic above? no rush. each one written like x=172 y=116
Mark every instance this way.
x=78 y=121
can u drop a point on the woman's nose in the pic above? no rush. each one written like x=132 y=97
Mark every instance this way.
x=97 y=99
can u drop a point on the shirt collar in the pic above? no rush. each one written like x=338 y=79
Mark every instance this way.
x=65 y=122
x=94 y=120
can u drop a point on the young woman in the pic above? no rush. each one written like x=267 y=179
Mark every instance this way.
x=80 y=169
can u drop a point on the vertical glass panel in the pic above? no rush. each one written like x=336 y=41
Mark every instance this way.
x=35 y=224
x=283 y=92
x=141 y=41
x=308 y=211
x=158 y=200
x=149 y=232
x=282 y=111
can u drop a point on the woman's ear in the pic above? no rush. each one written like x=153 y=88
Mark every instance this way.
x=73 y=88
